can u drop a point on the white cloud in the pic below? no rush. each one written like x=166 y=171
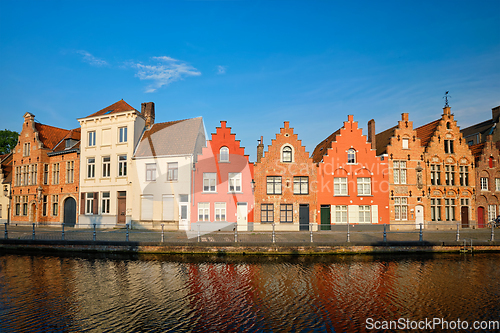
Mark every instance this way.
x=167 y=70
x=89 y=58
x=221 y=70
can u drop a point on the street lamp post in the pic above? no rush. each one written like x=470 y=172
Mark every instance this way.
x=6 y=192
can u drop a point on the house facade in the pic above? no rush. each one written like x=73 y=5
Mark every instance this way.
x=402 y=150
x=109 y=137
x=448 y=174
x=45 y=167
x=163 y=191
x=353 y=183
x=285 y=184
x=223 y=185
x=487 y=174
x=478 y=133
x=5 y=187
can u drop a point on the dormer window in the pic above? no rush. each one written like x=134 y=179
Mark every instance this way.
x=287 y=154
x=224 y=154
x=351 y=156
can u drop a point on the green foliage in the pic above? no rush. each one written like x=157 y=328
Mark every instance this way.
x=8 y=140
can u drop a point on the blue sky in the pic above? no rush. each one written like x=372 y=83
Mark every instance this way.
x=252 y=63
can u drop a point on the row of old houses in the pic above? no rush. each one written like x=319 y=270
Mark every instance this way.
x=121 y=168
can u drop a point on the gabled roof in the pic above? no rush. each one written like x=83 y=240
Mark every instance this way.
x=485 y=128
x=50 y=136
x=383 y=139
x=119 y=106
x=322 y=148
x=425 y=132
x=74 y=135
x=171 y=138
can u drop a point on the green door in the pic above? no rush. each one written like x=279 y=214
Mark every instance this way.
x=325 y=217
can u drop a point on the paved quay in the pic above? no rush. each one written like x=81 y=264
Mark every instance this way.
x=359 y=239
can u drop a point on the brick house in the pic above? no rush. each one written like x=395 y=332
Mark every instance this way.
x=5 y=186
x=46 y=164
x=223 y=184
x=402 y=150
x=487 y=158
x=448 y=174
x=285 y=184
x=352 y=180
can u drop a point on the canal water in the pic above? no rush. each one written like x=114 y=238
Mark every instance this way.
x=106 y=293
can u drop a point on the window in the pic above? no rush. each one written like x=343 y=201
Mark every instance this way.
x=18 y=176
x=351 y=156
x=448 y=146
x=449 y=209
x=55 y=205
x=26 y=149
x=147 y=207
x=168 y=208
x=340 y=186
x=90 y=167
x=300 y=185
x=224 y=154
x=89 y=203
x=203 y=211
x=464 y=176
x=25 y=205
x=172 y=171
x=286 y=213
x=497 y=184
x=266 y=213
x=470 y=143
x=91 y=139
x=45 y=174
x=70 y=171
x=25 y=175
x=122 y=134
x=364 y=214
x=122 y=165
x=436 y=209
x=364 y=186
x=273 y=185
x=17 y=201
x=449 y=174
x=106 y=167
x=484 y=184
x=435 y=174
x=399 y=172
x=287 y=154
x=34 y=174
x=44 y=205
x=209 y=182
x=105 y=202
x=234 y=182
x=401 y=209
x=220 y=211
x=0 y=211
x=405 y=143
x=492 y=212
x=150 y=172
x=341 y=214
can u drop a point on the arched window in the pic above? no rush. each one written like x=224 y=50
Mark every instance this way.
x=287 y=154
x=448 y=125
x=351 y=156
x=224 y=154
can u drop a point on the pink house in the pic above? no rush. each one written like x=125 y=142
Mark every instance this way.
x=223 y=188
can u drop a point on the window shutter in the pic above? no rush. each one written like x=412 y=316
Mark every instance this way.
x=82 y=203
x=94 y=209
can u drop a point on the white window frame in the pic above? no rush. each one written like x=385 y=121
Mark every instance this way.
x=220 y=211
x=364 y=185
x=340 y=186
x=209 y=182
x=497 y=184
x=300 y=185
x=172 y=171
x=122 y=134
x=234 y=182
x=365 y=214
x=204 y=209
x=150 y=172
x=90 y=167
x=449 y=209
x=492 y=212
x=405 y=143
x=105 y=202
x=89 y=203
x=122 y=165
x=273 y=185
x=352 y=160
x=91 y=139
x=106 y=167
x=401 y=208
x=289 y=154
x=341 y=214
x=484 y=183
x=224 y=154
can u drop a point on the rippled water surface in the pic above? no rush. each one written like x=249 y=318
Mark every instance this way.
x=246 y=294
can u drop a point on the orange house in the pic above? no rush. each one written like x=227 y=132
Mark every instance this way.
x=353 y=182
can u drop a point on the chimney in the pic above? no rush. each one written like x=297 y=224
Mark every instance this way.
x=495 y=112
x=148 y=111
x=260 y=149
x=371 y=133
x=404 y=116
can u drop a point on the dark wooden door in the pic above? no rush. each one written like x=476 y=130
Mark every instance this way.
x=465 y=216
x=122 y=210
x=480 y=217
x=325 y=217
x=69 y=212
x=304 y=217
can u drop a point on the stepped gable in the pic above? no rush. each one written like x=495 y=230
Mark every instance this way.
x=322 y=148
x=426 y=132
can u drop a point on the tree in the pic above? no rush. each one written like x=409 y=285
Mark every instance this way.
x=8 y=140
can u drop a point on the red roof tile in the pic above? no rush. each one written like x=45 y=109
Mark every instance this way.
x=74 y=135
x=477 y=149
x=383 y=139
x=50 y=136
x=119 y=106
x=425 y=132
x=322 y=148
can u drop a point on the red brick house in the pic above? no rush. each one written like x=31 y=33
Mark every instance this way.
x=223 y=184
x=285 y=184
x=46 y=164
x=353 y=182
x=487 y=157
